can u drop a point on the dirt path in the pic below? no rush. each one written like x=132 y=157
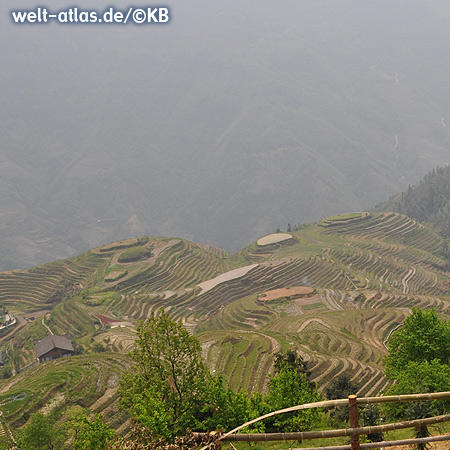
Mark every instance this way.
x=22 y=322
x=46 y=326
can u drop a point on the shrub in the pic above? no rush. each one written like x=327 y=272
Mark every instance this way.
x=135 y=254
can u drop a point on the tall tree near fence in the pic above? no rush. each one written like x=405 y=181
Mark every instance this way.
x=418 y=362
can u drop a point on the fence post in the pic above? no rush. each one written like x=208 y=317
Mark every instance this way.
x=353 y=422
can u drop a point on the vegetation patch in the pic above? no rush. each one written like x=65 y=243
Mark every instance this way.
x=345 y=218
x=135 y=254
x=115 y=276
x=312 y=306
x=124 y=244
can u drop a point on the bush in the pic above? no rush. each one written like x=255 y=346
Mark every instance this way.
x=135 y=254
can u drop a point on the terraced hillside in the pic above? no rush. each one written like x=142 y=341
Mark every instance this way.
x=365 y=272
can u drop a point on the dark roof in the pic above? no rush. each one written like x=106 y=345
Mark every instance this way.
x=50 y=342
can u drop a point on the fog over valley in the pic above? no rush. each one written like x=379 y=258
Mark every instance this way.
x=232 y=120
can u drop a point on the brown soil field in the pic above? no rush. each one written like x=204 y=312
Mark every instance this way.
x=291 y=293
x=106 y=320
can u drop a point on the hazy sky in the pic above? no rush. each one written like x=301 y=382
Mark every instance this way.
x=226 y=123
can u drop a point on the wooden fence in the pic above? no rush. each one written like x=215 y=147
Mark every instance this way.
x=353 y=432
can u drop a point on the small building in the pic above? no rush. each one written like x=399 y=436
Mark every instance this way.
x=53 y=347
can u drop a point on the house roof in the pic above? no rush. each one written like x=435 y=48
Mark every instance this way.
x=50 y=342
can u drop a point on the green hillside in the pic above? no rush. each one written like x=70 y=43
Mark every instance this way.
x=428 y=201
x=353 y=279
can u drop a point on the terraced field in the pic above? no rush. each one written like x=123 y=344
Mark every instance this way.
x=367 y=271
x=87 y=381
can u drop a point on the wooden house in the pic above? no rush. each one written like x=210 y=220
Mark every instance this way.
x=53 y=347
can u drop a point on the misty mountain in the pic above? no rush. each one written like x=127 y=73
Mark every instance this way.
x=225 y=124
x=427 y=201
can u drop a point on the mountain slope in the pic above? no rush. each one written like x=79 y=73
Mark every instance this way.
x=428 y=201
x=332 y=291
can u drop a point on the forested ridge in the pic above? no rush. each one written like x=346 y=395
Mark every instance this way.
x=427 y=201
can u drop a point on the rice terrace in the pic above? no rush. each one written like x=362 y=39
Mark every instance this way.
x=332 y=291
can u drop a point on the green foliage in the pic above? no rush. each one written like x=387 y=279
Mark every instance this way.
x=420 y=377
x=169 y=389
x=370 y=415
x=39 y=433
x=290 y=360
x=165 y=389
x=418 y=360
x=423 y=337
x=135 y=254
x=6 y=371
x=340 y=387
x=428 y=201
x=226 y=409
x=290 y=388
x=90 y=434
x=98 y=347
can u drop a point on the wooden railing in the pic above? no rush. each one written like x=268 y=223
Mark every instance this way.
x=353 y=432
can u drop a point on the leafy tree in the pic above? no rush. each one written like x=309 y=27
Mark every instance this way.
x=420 y=377
x=142 y=438
x=340 y=387
x=225 y=409
x=91 y=434
x=370 y=415
x=290 y=360
x=166 y=387
x=419 y=354
x=423 y=337
x=39 y=433
x=291 y=388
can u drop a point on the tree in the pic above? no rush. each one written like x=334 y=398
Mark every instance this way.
x=370 y=416
x=225 y=409
x=166 y=387
x=419 y=354
x=420 y=377
x=423 y=337
x=291 y=360
x=340 y=387
x=91 y=434
x=291 y=388
x=39 y=433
